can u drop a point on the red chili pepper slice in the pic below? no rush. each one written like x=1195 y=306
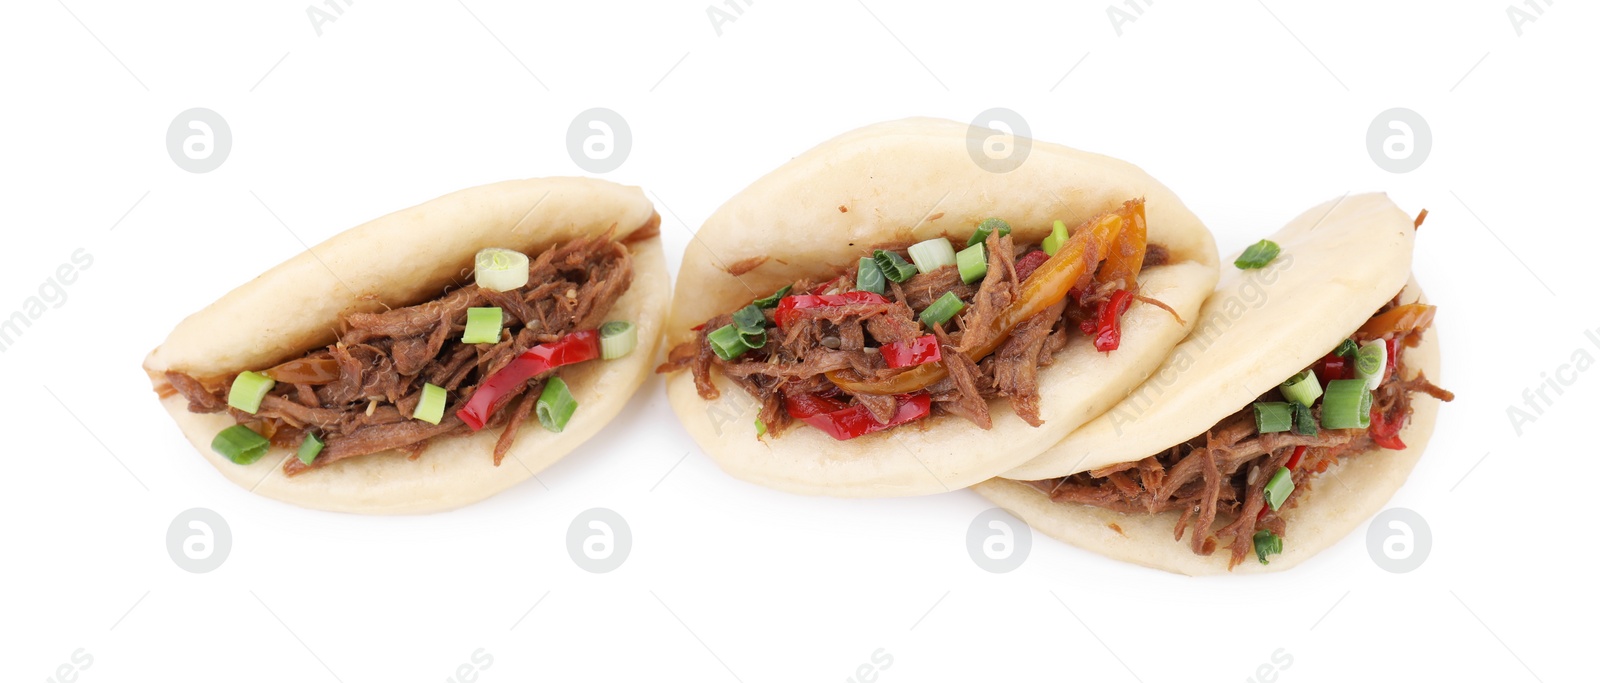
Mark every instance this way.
x=1299 y=452
x=844 y=422
x=787 y=306
x=1030 y=262
x=923 y=349
x=491 y=394
x=1107 y=323
x=1385 y=432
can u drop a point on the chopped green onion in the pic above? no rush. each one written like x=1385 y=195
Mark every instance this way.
x=750 y=320
x=617 y=339
x=248 y=390
x=240 y=444
x=942 y=310
x=310 y=448
x=893 y=267
x=1279 y=487
x=761 y=427
x=752 y=326
x=1267 y=543
x=1370 y=362
x=1273 y=417
x=1302 y=388
x=1058 y=236
x=1257 y=255
x=869 y=278
x=555 y=405
x=727 y=342
x=988 y=226
x=973 y=263
x=483 y=326
x=772 y=300
x=931 y=255
x=1347 y=348
x=501 y=270
x=1305 y=424
x=431 y=408
x=1347 y=404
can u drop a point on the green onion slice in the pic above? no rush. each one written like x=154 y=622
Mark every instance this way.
x=248 y=390
x=1302 y=388
x=727 y=343
x=1347 y=404
x=869 y=278
x=1279 y=487
x=1058 y=236
x=617 y=339
x=973 y=263
x=931 y=255
x=1267 y=543
x=1370 y=362
x=501 y=270
x=1305 y=424
x=1257 y=255
x=761 y=427
x=772 y=299
x=431 y=408
x=1273 y=417
x=987 y=227
x=310 y=448
x=893 y=267
x=483 y=326
x=240 y=444
x=942 y=310
x=1347 y=348
x=750 y=320
x=555 y=405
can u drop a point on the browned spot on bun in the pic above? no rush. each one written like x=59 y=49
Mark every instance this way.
x=747 y=265
x=1113 y=526
x=842 y=209
x=936 y=216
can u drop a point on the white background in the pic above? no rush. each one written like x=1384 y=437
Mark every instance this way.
x=1252 y=112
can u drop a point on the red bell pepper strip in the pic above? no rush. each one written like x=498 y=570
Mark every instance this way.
x=923 y=349
x=1392 y=345
x=1332 y=366
x=1030 y=262
x=1106 y=326
x=491 y=393
x=789 y=305
x=844 y=422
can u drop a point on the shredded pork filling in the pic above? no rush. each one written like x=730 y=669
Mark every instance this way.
x=384 y=359
x=1221 y=475
x=847 y=337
